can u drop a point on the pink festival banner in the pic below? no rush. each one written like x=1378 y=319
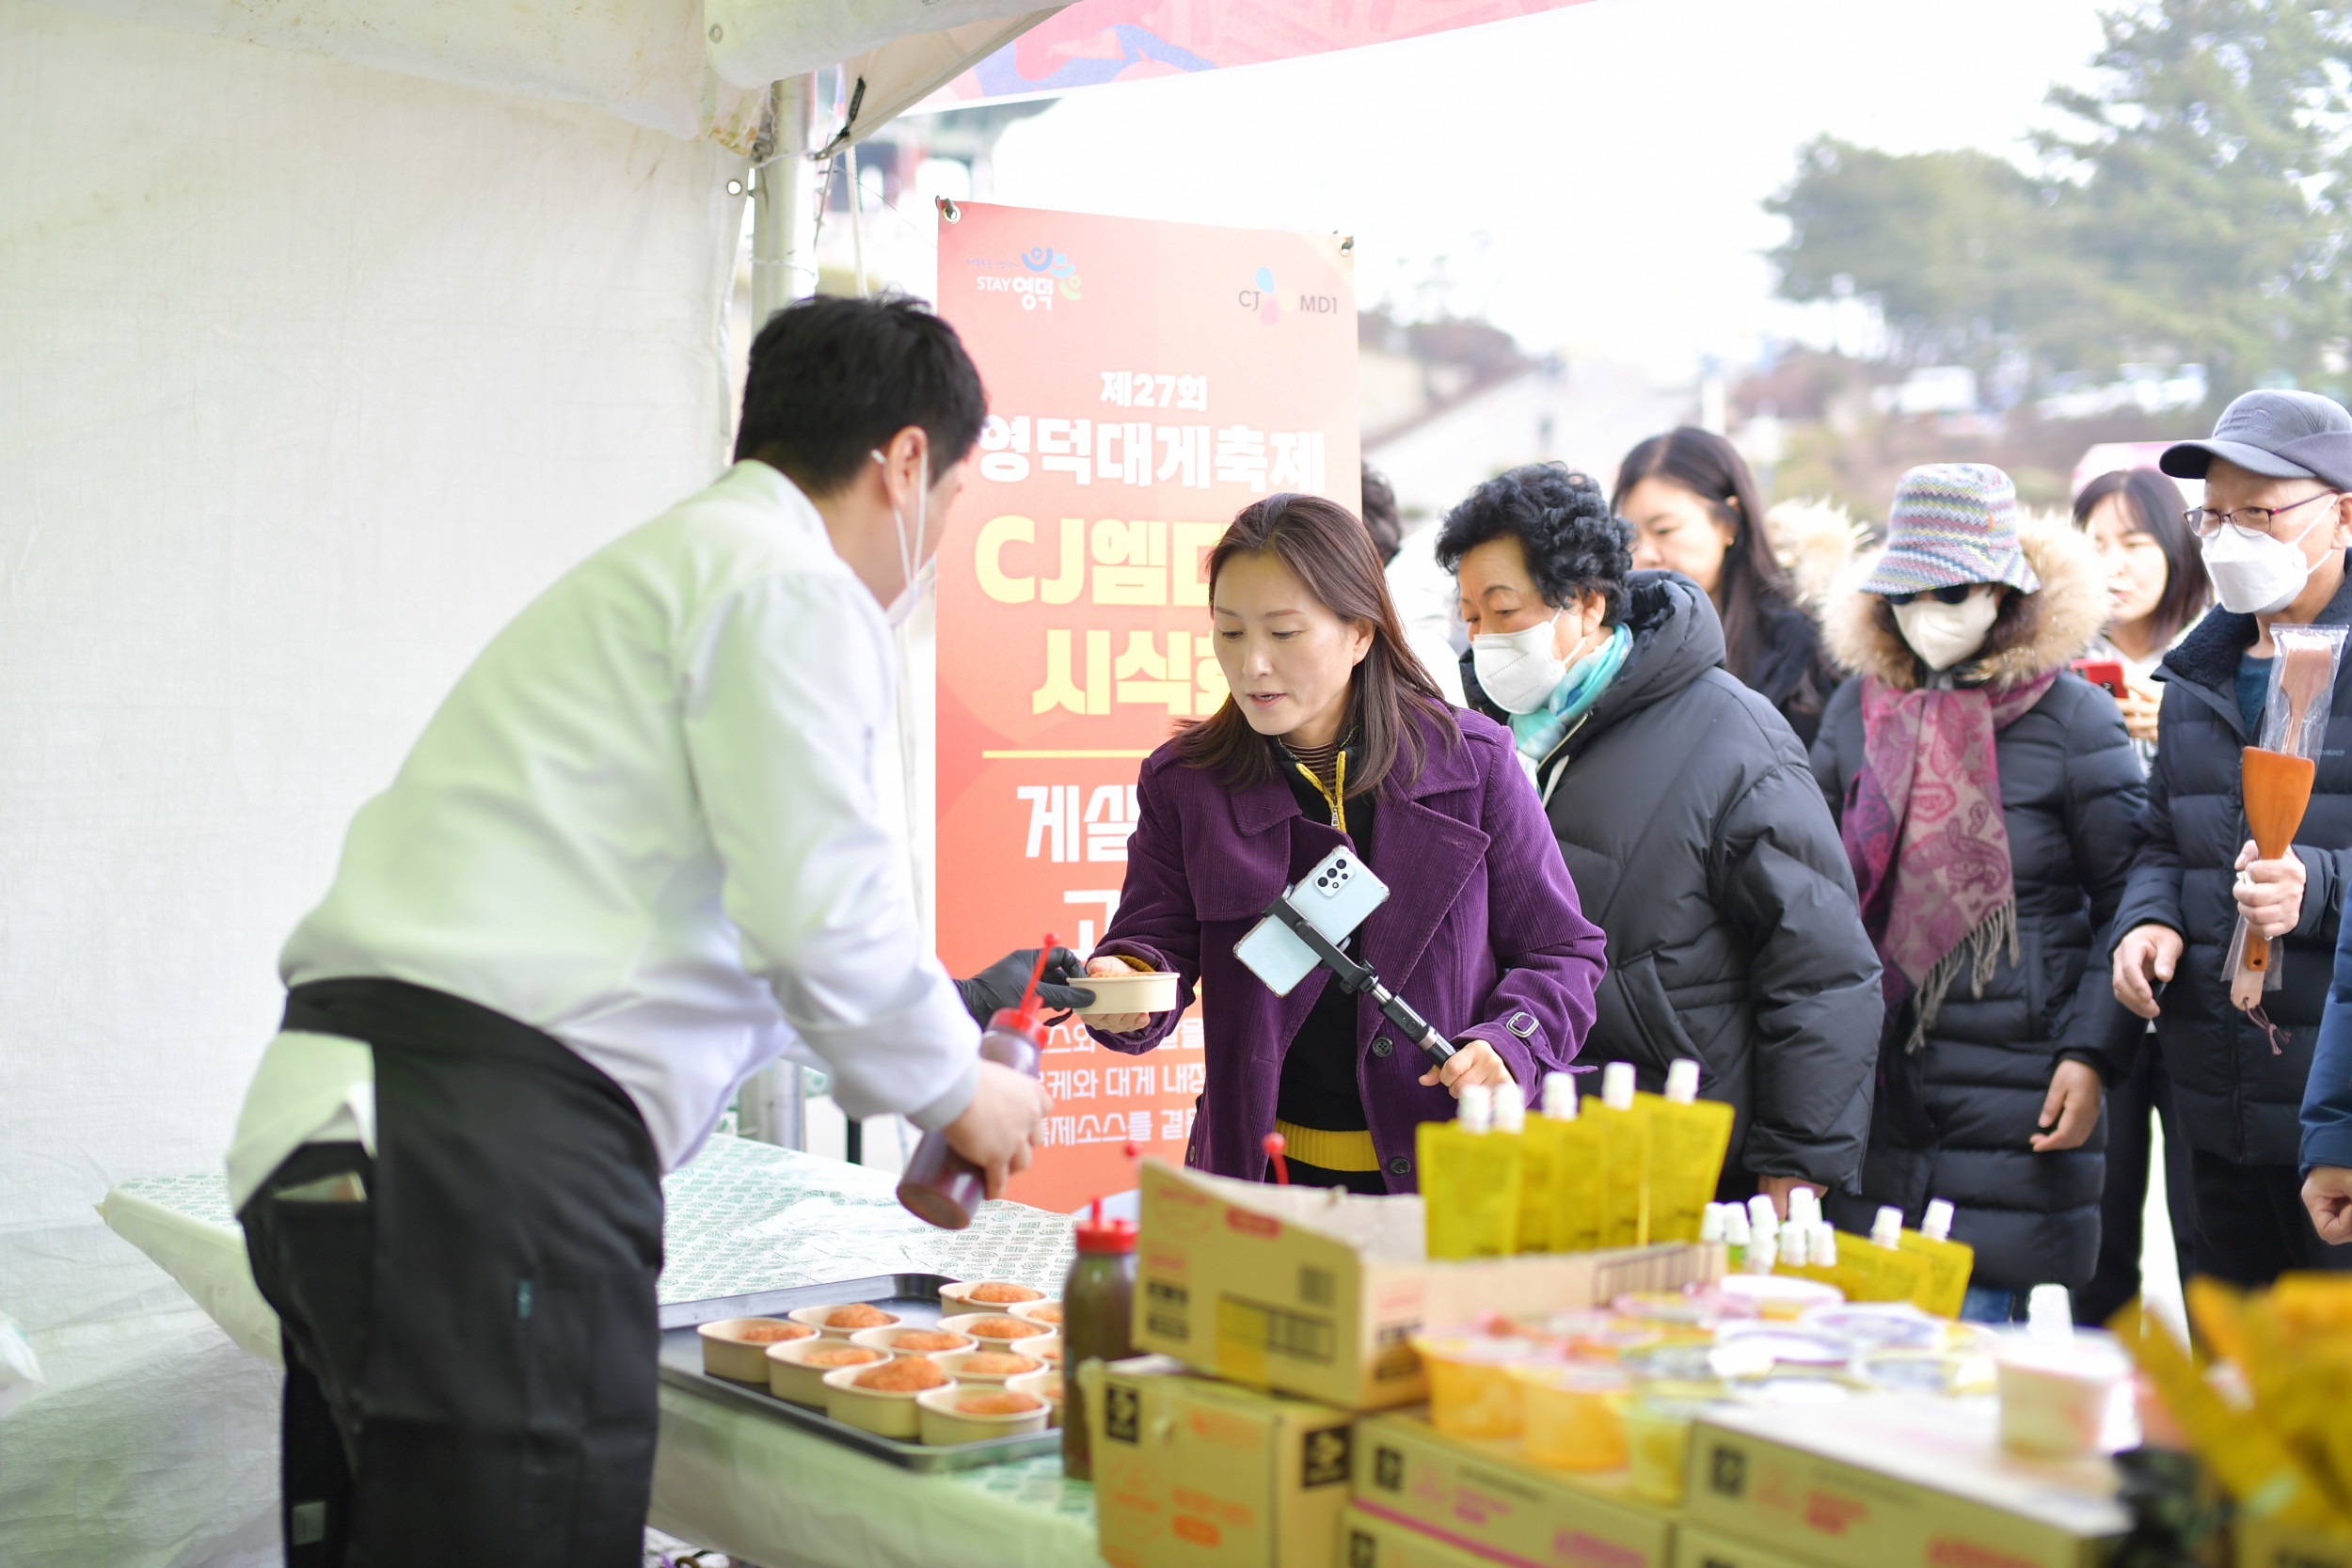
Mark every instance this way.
x=1096 y=41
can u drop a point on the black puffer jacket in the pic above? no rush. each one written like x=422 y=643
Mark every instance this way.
x=2235 y=1097
x=1954 y=1118
x=1700 y=844
x=1791 y=671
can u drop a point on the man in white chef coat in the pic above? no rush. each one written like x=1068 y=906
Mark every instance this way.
x=637 y=848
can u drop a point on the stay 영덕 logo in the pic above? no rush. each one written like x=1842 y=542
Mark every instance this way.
x=1043 y=275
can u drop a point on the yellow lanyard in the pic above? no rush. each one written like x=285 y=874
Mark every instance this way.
x=1336 y=797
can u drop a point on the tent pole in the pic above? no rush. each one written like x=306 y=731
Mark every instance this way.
x=773 y=1104
x=784 y=255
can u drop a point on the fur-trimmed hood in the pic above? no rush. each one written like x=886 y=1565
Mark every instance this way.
x=2072 y=601
x=1814 y=541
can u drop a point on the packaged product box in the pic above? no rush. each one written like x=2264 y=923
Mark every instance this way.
x=1487 y=1499
x=2262 y=1545
x=1368 y=1541
x=1318 y=1292
x=1706 y=1548
x=1894 y=1481
x=1189 y=1471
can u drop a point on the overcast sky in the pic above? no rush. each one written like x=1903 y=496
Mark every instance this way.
x=1591 y=177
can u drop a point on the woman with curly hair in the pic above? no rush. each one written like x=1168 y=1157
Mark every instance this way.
x=1686 y=812
x=1335 y=737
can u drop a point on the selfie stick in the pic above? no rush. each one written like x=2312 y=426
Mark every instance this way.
x=1357 y=978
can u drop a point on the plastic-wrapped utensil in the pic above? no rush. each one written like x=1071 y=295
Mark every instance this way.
x=2278 y=781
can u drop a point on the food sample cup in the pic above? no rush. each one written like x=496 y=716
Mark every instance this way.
x=1779 y=1296
x=1044 y=1346
x=970 y=1415
x=1046 y=1385
x=2055 y=1394
x=998 y=1295
x=1045 y=1314
x=796 y=1371
x=1574 y=1415
x=1144 y=991
x=1000 y=1328
x=884 y=1412
x=914 y=1340
x=814 y=1317
x=1472 y=1392
x=737 y=1348
x=988 y=1367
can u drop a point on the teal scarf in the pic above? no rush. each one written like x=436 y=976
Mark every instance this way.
x=1540 y=732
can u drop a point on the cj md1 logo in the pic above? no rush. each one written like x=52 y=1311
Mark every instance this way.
x=1265 y=300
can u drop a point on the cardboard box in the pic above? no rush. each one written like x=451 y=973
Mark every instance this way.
x=1485 y=1497
x=1190 y=1472
x=1891 y=1482
x=1695 y=1547
x=2262 y=1545
x=1368 y=1541
x=1318 y=1292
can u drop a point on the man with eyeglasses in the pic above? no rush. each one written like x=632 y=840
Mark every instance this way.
x=2274 y=527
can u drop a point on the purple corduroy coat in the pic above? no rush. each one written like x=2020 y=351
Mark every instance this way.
x=1481 y=932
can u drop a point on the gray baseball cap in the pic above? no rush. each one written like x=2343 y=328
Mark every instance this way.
x=2279 y=435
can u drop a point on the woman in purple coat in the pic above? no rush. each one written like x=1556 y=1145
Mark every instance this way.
x=1334 y=736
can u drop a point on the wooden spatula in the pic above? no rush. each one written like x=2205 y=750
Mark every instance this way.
x=2278 y=788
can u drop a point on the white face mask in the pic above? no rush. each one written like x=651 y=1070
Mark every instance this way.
x=918 y=575
x=2257 y=576
x=1943 y=634
x=1518 y=669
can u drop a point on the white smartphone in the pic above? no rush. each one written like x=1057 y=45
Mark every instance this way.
x=1335 y=897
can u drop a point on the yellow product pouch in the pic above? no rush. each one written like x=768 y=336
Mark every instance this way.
x=1575 y=1183
x=1949 y=1263
x=1469 y=1182
x=2266 y=1475
x=1541 y=1148
x=1867 y=1272
x=1687 y=1140
x=1622 y=1134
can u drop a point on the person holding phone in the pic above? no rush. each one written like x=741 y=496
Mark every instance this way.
x=1333 y=736
x=2156 y=587
x=2156 y=590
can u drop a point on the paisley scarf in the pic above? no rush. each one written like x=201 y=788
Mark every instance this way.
x=1926 y=836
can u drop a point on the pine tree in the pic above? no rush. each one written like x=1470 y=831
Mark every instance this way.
x=2206 y=212
x=2194 y=211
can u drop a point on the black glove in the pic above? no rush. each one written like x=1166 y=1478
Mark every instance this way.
x=1000 y=985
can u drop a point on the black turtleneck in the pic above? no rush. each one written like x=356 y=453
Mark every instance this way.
x=1319 y=1087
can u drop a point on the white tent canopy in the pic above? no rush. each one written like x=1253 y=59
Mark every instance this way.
x=329 y=334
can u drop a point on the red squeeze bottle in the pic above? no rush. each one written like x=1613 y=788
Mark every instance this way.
x=940 y=1185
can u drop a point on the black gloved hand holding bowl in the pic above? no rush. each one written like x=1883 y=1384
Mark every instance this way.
x=1001 y=984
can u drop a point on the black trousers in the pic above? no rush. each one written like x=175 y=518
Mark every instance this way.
x=2251 y=1225
x=2123 y=1202
x=471 y=1349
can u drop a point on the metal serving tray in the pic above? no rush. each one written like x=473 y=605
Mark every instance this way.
x=914 y=1297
